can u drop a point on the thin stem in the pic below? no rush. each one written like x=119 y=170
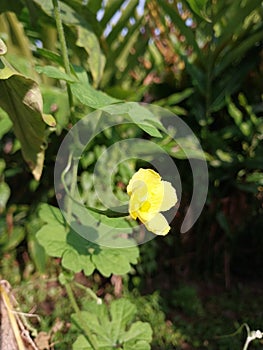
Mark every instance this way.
x=63 y=44
x=84 y=327
x=72 y=186
x=90 y=292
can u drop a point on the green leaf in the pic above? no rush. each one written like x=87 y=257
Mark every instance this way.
x=256 y=177
x=138 y=337
x=86 y=37
x=87 y=95
x=36 y=251
x=56 y=99
x=113 y=212
x=234 y=112
x=5 y=123
x=122 y=313
x=4 y=195
x=96 y=61
x=113 y=329
x=78 y=253
x=175 y=98
x=117 y=261
x=56 y=73
x=199 y=7
x=21 y=99
x=14 y=238
x=51 y=56
x=139 y=115
x=112 y=6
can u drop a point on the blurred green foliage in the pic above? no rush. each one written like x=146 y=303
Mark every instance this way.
x=202 y=61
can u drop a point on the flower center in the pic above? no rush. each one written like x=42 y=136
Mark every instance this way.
x=145 y=206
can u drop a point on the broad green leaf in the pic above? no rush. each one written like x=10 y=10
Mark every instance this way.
x=117 y=261
x=87 y=95
x=21 y=99
x=114 y=329
x=139 y=331
x=74 y=261
x=138 y=345
x=96 y=61
x=53 y=239
x=51 y=215
x=139 y=115
x=78 y=253
x=82 y=344
x=122 y=313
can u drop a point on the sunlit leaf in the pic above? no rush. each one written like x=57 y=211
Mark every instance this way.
x=78 y=253
x=114 y=328
x=56 y=73
x=87 y=95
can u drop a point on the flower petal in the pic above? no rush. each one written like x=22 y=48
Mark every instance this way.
x=148 y=176
x=157 y=224
x=169 y=196
x=137 y=197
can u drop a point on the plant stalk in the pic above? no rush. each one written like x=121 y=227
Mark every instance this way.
x=84 y=327
x=63 y=46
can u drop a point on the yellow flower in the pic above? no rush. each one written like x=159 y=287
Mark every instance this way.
x=149 y=195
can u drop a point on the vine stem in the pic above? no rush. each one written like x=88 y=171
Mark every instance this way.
x=63 y=46
x=86 y=329
x=64 y=52
x=66 y=63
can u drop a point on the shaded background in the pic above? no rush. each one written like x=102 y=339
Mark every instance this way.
x=204 y=63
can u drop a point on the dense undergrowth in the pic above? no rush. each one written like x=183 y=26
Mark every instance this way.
x=61 y=61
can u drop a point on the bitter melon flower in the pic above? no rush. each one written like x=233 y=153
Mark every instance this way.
x=150 y=195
